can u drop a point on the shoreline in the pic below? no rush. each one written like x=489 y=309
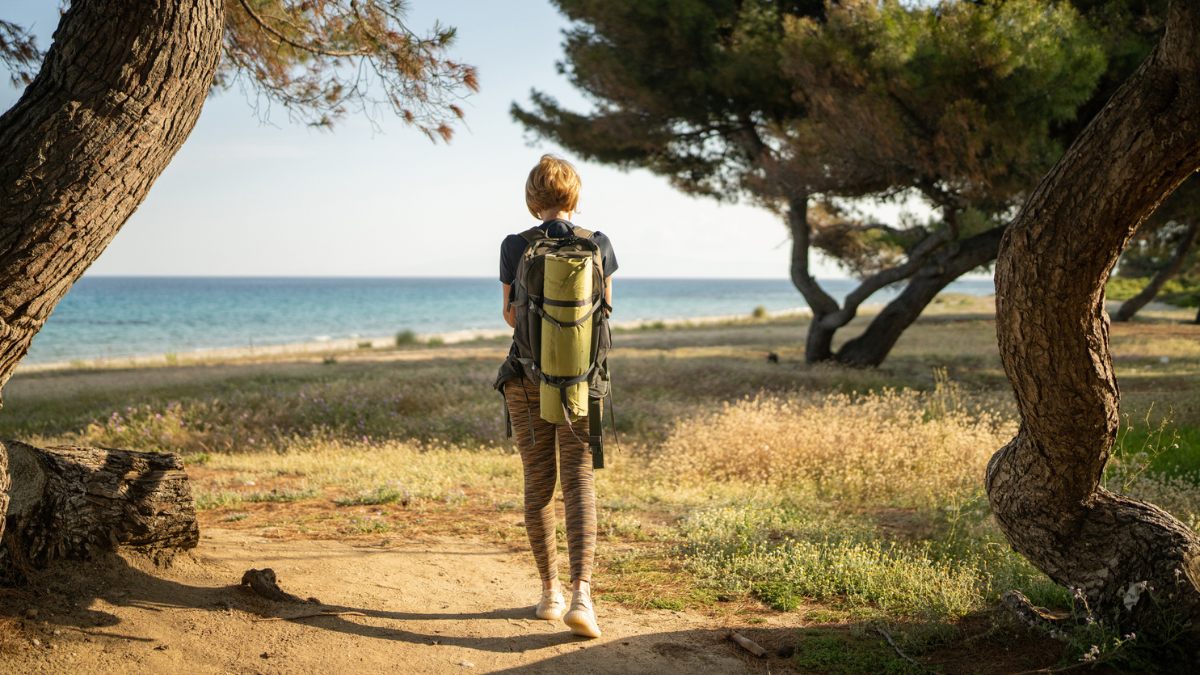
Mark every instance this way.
x=324 y=348
x=979 y=306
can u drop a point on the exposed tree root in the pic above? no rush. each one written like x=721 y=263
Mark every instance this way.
x=263 y=583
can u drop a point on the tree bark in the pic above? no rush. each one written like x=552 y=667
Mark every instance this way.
x=72 y=503
x=875 y=343
x=119 y=92
x=1134 y=304
x=1044 y=485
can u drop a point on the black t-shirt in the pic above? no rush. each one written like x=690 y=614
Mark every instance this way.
x=514 y=246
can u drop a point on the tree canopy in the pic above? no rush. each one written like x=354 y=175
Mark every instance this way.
x=802 y=106
x=321 y=60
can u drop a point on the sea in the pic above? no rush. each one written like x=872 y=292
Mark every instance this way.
x=110 y=316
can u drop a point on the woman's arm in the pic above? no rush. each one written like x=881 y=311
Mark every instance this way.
x=608 y=292
x=510 y=312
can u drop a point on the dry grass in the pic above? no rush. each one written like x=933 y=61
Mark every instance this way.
x=887 y=448
x=364 y=470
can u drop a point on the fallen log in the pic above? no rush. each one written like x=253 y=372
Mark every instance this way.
x=74 y=503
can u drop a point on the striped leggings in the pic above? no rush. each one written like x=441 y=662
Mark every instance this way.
x=578 y=485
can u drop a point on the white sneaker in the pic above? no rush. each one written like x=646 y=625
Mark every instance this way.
x=552 y=605
x=582 y=618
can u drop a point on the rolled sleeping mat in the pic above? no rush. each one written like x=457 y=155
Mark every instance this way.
x=566 y=350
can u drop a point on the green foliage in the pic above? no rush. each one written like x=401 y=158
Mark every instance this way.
x=967 y=92
x=1178 y=291
x=674 y=82
x=406 y=338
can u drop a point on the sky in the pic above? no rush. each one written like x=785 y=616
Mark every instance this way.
x=248 y=197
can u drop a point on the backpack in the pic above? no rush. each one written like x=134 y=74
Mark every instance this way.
x=525 y=296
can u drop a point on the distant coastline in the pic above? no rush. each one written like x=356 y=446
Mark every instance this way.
x=323 y=348
x=115 y=319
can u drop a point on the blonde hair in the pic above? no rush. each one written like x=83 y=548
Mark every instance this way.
x=553 y=182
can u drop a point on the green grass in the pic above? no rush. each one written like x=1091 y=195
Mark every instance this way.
x=390 y=493
x=786 y=554
x=213 y=500
x=842 y=654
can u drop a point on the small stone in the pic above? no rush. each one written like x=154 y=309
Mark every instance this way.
x=36 y=642
x=266 y=655
x=52 y=646
x=163 y=647
x=57 y=632
x=467 y=664
x=31 y=614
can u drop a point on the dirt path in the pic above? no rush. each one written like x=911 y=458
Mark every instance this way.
x=442 y=605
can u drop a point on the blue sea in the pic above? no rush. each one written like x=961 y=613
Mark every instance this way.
x=126 y=316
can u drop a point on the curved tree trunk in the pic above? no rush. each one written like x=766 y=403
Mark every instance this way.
x=820 y=340
x=876 y=342
x=827 y=316
x=1134 y=304
x=1044 y=486
x=117 y=95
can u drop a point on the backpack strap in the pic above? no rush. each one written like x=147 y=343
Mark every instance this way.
x=580 y=232
x=533 y=235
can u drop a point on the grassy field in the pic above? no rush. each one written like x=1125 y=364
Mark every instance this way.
x=743 y=487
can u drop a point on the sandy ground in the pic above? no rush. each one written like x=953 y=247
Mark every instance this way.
x=443 y=605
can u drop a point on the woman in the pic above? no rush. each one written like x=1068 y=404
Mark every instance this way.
x=552 y=195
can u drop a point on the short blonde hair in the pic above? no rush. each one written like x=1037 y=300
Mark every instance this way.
x=553 y=182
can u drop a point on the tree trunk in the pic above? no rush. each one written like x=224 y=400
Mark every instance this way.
x=70 y=503
x=828 y=317
x=1044 y=486
x=876 y=342
x=1132 y=305
x=819 y=342
x=119 y=92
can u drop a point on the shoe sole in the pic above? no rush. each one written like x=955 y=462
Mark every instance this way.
x=550 y=615
x=582 y=624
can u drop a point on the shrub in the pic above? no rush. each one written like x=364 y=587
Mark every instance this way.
x=406 y=338
x=436 y=341
x=759 y=312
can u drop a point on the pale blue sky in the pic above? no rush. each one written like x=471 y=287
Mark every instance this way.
x=247 y=198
